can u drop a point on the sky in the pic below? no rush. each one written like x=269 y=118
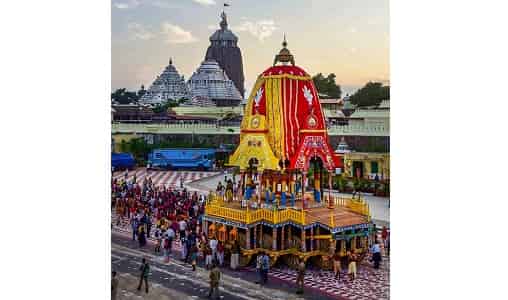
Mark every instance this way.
x=347 y=37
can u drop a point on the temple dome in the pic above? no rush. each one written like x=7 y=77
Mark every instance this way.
x=169 y=85
x=223 y=34
x=211 y=85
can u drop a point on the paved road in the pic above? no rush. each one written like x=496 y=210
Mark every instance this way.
x=126 y=259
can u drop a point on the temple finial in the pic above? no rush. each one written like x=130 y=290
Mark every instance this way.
x=284 y=55
x=224 y=21
x=170 y=60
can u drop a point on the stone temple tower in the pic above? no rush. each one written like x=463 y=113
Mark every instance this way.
x=225 y=51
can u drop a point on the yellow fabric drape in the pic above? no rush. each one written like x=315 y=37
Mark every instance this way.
x=275 y=112
x=248 y=108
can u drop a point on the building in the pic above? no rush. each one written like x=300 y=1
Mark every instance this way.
x=167 y=86
x=372 y=116
x=224 y=49
x=131 y=113
x=331 y=104
x=211 y=86
x=367 y=165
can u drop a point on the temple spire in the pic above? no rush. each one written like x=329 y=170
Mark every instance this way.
x=170 y=60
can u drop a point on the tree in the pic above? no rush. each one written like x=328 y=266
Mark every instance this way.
x=123 y=96
x=165 y=106
x=326 y=85
x=371 y=94
x=141 y=92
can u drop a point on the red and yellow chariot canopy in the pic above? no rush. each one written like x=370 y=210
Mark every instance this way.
x=283 y=122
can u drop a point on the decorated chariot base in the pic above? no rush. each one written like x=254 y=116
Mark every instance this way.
x=285 y=162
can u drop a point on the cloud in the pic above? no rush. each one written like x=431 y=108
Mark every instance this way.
x=139 y=32
x=259 y=29
x=126 y=4
x=205 y=2
x=175 y=34
x=164 y=4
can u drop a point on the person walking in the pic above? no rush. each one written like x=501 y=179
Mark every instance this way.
x=145 y=269
x=194 y=257
x=189 y=243
x=171 y=236
x=213 y=246
x=182 y=226
x=114 y=285
x=235 y=255
x=141 y=236
x=149 y=224
x=183 y=249
x=336 y=265
x=207 y=252
x=158 y=244
x=166 y=247
x=265 y=266
x=134 y=226
x=352 y=265
x=220 y=254
x=300 y=277
x=384 y=235
x=214 y=282
x=376 y=254
x=387 y=249
x=259 y=262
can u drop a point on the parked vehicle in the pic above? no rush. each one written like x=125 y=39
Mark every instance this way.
x=181 y=158
x=122 y=161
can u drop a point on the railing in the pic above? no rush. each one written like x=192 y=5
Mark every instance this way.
x=207 y=127
x=359 y=206
x=215 y=207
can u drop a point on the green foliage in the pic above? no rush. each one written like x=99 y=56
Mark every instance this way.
x=342 y=183
x=141 y=92
x=123 y=146
x=166 y=105
x=123 y=96
x=326 y=85
x=371 y=94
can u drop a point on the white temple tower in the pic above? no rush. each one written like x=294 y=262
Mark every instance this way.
x=167 y=86
x=211 y=86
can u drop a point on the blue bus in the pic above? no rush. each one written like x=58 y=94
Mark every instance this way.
x=181 y=158
x=122 y=161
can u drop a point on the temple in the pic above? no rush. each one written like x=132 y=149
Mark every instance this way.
x=167 y=86
x=285 y=162
x=211 y=86
x=224 y=49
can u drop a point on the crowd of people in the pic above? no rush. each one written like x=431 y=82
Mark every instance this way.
x=171 y=215
x=176 y=215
